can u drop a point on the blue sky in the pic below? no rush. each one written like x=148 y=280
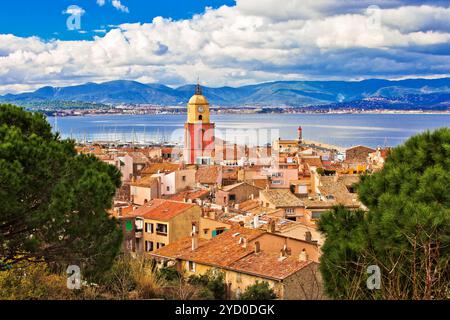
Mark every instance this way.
x=224 y=42
x=44 y=19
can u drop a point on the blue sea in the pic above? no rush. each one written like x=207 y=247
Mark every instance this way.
x=338 y=129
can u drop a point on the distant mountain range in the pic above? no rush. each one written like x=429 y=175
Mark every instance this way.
x=432 y=94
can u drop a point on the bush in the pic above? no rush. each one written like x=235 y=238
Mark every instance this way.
x=259 y=291
x=211 y=285
x=132 y=278
x=169 y=274
x=33 y=282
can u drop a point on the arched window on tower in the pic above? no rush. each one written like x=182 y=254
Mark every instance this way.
x=200 y=117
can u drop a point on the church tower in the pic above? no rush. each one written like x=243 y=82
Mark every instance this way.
x=198 y=131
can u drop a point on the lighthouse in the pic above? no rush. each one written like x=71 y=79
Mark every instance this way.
x=300 y=135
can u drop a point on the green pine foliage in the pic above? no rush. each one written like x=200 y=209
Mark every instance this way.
x=54 y=202
x=405 y=230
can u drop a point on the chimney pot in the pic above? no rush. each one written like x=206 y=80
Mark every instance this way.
x=257 y=247
x=194 y=236
x=303 y=256
x=256 y=222
x=308 y=236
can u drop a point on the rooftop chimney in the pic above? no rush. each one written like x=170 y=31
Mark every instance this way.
x=283 y=253
x=194 y=236
x=271 y=226
x=308 y=236
x=257 y=247
x=256 y=222
x=243 y=242
x=303 y=256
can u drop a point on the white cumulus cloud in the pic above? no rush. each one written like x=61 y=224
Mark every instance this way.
x=250 y=42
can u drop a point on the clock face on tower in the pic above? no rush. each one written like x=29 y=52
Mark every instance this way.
x=200 y=109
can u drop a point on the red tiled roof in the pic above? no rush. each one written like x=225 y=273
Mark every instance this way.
x=222 y=250
x=269 y=265
x=146 y=181
x=312 y=161
x=189 y=194
x=160 y=167
x=175 y=249
x=162 y=210
x=208 y=174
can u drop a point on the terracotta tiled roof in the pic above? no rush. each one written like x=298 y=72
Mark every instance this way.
x=190 y=194
x=146 y=181
x=337 y=188
x=225 y=248
x=248 y=205
x=138 y=157
x=232 y=186
x=160 y=167
x=312 y=161
x=282 y=198
x=269 y=265
x=208 y=174
x=226 y=252
x=260 y=183
x=176 y=249
x=162 y=210
x=230 y=173
x=358 y=153
x=167 y=150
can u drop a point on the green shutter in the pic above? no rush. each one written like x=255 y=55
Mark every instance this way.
x=129 y=226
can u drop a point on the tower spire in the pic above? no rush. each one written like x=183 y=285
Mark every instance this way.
x=198 y=88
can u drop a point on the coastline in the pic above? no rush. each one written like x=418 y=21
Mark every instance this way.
x=81 y=113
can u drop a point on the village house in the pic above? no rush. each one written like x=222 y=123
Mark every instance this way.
x=246 y=256
x=209 y=176
x=210 y=228
x=145 y=189
x=132 y=164
x=229 y=175
x=339 y=189
x=162 y=222
x=283 y=199
x=176 y=181
x=286 y=146
x=281 y=175
x=173 y=178
x=376 y=159
x=236 y=193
